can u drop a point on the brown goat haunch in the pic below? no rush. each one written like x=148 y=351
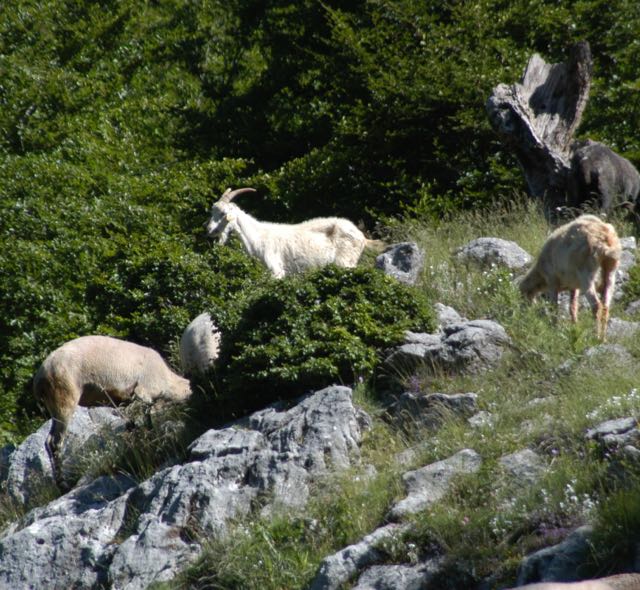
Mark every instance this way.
x=101 y=370
x=582 y=255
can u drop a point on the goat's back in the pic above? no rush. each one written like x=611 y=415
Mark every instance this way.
x=318 y=242
x=582 y=246
x=103 y=362
x=333 y=226
x=199 y=345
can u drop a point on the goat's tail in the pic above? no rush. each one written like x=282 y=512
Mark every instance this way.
x=607 y=246
x=375 y=245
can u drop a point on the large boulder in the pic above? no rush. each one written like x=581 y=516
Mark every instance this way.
x=558 y=563
x=524 y=467
x=463 y=347
x=68 y=543
x=362 y=559
x=114 y=533
x=403 y=261
x=446 y=316
x=429 y=484
x=344 y=565
x=415 y=410
x=487 y=252
x=28 y=470
x=399 y=577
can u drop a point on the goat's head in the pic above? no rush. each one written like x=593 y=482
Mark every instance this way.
x=223 y=214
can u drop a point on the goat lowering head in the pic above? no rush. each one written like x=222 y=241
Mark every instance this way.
x=580 y=256
x=100 y=370
x=224 y=214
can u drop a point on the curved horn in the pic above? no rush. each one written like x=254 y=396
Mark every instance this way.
x=229 y=194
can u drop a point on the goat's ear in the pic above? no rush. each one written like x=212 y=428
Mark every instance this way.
x=230 y=217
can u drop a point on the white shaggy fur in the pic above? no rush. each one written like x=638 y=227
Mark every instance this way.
x=582 y=255
x=101 y=370
x=199 y=345
x=287 y=249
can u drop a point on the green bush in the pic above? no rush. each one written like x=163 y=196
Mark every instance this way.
x=307 y=332
x=106 y=253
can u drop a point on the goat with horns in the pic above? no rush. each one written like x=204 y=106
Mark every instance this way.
x=285 y=248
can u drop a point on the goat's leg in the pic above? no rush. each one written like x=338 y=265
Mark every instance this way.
x=573 y=305
x=599 y=311
x=552 y=296
x=608 y=287
x=53 y=446
x=61 y=402
x=276 y=269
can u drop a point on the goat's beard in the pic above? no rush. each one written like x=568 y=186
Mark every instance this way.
x=224 y=234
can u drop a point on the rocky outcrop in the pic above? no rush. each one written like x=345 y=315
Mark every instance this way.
x=558 y=563
x=341 y=567
x=403 y=261
x=429 y=484
x=469 y=347
x=415 y=410
x=446 y=316
x=486 y=252
x=117 y=533
x=524 y=467
x=28 y=468
x=360 y=561
x=627 y=260
x=399 y=577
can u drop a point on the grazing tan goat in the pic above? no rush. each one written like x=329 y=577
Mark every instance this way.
x=287 y=249
x=582 y=255
x=100 y=370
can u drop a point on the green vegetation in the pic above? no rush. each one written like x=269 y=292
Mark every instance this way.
x=304 y=333
x=121 y=121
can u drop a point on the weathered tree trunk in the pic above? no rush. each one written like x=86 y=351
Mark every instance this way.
x=538 y=117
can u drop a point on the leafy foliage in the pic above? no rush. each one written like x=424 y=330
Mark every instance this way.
x=301 y=334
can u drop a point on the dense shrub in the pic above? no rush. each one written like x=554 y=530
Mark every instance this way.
x=107 y=253
x=307 y=332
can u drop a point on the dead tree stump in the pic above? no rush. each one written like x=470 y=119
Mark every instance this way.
x=537 y=119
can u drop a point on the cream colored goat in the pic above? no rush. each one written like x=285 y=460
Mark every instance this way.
x=287 y=249
x=100 y=370
x=199 y=345
x=582 y=255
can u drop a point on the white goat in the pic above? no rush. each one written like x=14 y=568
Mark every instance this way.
x=199 y=345
x=286 y=249
x=100 y=370
x=582 y=255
